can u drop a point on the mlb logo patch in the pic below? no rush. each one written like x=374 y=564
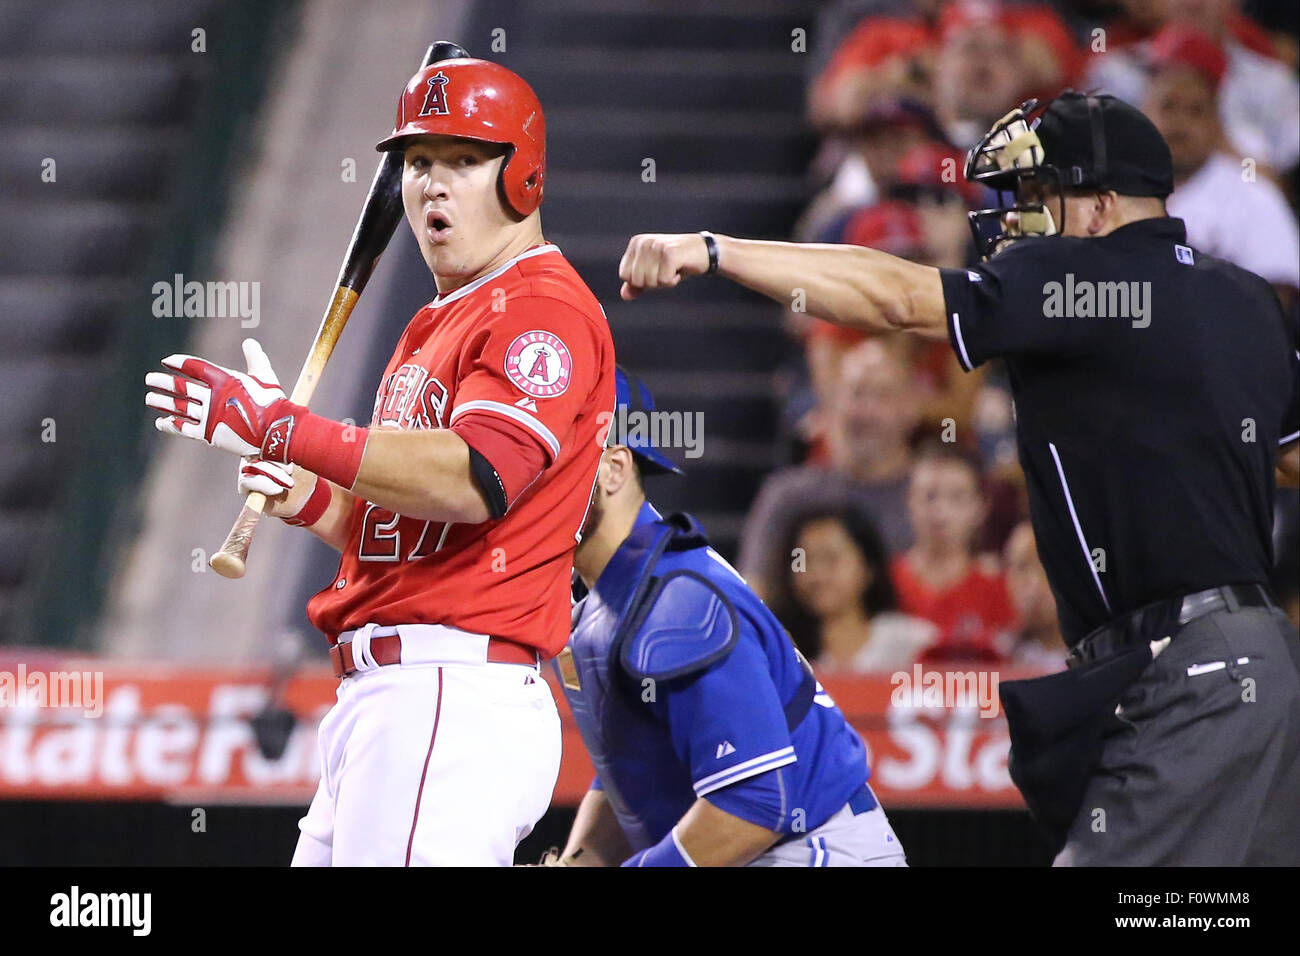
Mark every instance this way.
x=1184 y=255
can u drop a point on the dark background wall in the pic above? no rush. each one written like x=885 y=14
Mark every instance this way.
x=77 y=833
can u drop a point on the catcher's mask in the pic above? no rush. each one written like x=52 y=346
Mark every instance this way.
x=1011 y=154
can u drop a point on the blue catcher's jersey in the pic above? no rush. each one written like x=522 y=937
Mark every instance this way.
x=685 y=685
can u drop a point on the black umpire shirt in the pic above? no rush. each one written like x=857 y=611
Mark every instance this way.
x=1152 y=386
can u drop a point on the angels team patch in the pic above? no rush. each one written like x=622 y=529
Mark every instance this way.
x=539 y=364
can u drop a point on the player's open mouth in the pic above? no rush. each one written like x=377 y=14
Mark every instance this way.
x=437 y=225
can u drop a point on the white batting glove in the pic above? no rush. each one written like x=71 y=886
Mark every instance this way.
x=264 y=477
x=223 y=407
x=286 y=497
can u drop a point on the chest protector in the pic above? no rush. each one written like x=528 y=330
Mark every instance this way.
x=642 y=625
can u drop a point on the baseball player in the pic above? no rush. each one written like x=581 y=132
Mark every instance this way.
x=456 y=511
x=1154 y=385
x=714 y=745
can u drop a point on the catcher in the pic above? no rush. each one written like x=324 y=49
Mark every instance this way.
x=714 y=744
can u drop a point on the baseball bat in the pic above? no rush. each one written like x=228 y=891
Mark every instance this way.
x=379 y=218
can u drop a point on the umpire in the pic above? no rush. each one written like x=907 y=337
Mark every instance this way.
x=1154 y=386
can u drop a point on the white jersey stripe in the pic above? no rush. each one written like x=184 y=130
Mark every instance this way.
x=961 y=343
x=1078 y=529
x=747 y=768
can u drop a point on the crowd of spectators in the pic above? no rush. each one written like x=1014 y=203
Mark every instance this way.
x=897 y=531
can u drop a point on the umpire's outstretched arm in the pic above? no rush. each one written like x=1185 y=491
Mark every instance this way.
x=848 y=285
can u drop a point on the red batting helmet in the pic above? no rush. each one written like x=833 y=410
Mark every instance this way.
x=479 y=100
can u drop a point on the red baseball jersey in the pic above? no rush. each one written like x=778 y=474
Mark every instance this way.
x=520 y=363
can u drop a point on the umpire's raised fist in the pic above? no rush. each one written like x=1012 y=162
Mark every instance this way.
x=660 y=260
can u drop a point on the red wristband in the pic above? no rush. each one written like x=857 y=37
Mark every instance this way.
x=317 y=503
x=331 y=449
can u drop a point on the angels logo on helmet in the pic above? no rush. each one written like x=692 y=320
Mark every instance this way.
x=435 y=101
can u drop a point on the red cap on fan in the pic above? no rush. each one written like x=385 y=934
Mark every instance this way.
x=1182 y=45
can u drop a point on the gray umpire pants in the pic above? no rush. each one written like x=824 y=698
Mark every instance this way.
x=1202 y=766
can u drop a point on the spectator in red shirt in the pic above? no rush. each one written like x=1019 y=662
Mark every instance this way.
x=940 y=578
x=836 y=598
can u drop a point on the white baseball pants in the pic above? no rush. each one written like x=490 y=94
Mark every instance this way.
x=432 y=765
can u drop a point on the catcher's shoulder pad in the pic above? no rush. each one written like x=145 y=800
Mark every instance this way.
x=685 y=624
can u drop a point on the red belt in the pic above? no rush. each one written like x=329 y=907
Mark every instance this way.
x=388 y=650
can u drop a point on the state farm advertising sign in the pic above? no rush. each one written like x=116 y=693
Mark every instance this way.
x=155 y=732
x=84 y=728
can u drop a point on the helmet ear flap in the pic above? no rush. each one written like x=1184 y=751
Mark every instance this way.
x=520 y=183
x=504 y=182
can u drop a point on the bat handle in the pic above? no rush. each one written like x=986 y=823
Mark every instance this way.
x=229 y=561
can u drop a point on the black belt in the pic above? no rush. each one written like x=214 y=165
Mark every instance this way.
x=1167 y=616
